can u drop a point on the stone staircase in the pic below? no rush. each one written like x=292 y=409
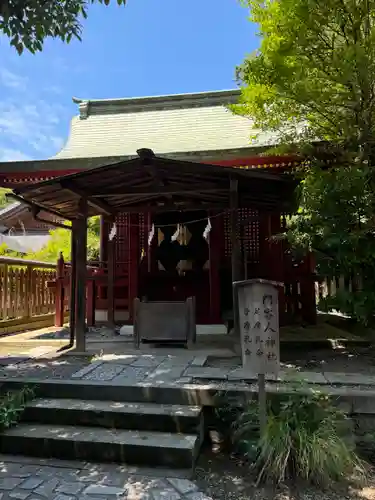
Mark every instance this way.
x=140 y=433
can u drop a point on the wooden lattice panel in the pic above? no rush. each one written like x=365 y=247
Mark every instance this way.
x=122 y=237
x=250 y=234
x=247 y=234
x=143 y=233
x=227 y=237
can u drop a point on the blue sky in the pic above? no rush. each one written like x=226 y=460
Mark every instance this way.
x=149 y=47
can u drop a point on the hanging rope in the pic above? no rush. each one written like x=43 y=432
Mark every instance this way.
x=207 y=230
x=112 y=232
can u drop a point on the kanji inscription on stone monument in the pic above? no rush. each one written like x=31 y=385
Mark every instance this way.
x=258 y=316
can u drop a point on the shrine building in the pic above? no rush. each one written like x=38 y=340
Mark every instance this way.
x=188 y=204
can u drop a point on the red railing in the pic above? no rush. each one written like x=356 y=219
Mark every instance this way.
x=96 y=289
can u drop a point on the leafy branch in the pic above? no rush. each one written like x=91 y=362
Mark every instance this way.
x=27 y=23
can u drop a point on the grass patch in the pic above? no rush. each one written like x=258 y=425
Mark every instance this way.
x=12 y=405
x=306 y=437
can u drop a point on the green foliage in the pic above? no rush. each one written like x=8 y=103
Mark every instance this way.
x=311 y=84
x=336 y=221
x=3 y=200
x=312 y=76
x=6 y=252
x=306 y=437
x=60 y=241
x=29 y=22
x=12 y=405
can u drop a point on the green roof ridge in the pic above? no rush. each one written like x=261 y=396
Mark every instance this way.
x=159 y=102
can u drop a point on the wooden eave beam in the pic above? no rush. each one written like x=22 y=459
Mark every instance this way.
x=220 y=170
x=49 y=222
x=37 y=206
x=160 y=191
x=99 y=205
x=174 y=208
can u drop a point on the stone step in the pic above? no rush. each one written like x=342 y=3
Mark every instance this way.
x=178 y=451
x=110 y=391
x=114 y=414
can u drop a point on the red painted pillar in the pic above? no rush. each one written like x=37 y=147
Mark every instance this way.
x=216 y=236
x=133 y=261
x=59 y=311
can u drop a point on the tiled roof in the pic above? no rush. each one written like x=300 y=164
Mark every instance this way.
x=25 y=243
x=165 y=124
x=9 y=209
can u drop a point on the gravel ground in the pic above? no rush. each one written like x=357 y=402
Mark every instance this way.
x=224 y=478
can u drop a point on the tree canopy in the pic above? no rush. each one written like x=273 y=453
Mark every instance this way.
x=28 y=23
x=313 y=77
x=312 y=83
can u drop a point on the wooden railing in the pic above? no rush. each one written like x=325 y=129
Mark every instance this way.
x=25 y=298
x=35 y=294
x=96 y=289
x=330 y=286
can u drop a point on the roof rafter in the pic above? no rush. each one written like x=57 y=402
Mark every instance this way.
x=160 y=191
x=100 y=205
x=128 y=187
x=37 y=206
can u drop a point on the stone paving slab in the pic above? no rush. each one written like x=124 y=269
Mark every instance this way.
x=104 y=372
x=175 y=362
x=199 y=360
x=132 y=375
x=209 y=373
x=125 y=359
x=148 y=361
x=165 y=374
x=156 y=369
x=87 y=369
x=59 y=368
x=85 y=481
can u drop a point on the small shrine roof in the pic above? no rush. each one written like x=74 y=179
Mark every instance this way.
x=149 y=183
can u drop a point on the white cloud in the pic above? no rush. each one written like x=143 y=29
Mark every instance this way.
x=8 y=154
x=30 y=123
x=12 y=80
x=54 y=89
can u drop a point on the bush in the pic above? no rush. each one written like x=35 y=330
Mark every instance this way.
x=306 y=437
x=12 y=405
